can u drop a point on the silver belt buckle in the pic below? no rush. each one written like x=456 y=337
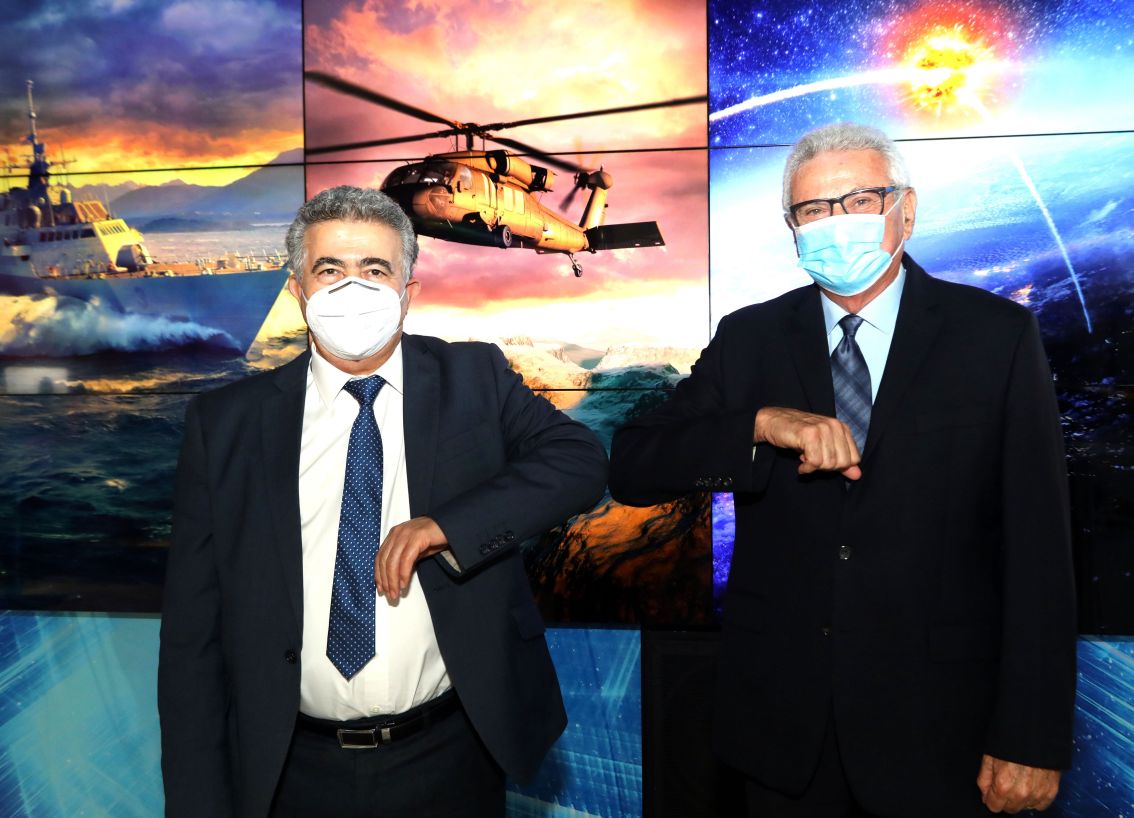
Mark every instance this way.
x=363 y=739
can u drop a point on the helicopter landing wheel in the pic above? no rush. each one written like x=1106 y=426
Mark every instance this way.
x=503 y=236
x=576 y=267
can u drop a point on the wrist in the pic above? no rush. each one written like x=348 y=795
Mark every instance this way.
x=759 y=426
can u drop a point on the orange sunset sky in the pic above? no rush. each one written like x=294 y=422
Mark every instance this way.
x=154 y=84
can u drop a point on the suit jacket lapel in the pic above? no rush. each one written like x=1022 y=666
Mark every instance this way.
x=420 y=410
x=807 y=341
x=281 y=427
x=919 y=322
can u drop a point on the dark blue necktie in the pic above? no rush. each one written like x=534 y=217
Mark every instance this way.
x=851 y=379
x=350 y=635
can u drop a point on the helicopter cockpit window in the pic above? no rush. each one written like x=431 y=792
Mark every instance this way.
x=464 y=178
x=437 y=173
x=402 y=176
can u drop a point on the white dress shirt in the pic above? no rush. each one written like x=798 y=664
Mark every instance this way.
x=876 y=331
x=407 y=668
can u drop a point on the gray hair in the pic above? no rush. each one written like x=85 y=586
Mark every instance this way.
x=844 y=136
x=351 y=204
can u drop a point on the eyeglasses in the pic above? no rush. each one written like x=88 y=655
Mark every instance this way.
x=868 y=200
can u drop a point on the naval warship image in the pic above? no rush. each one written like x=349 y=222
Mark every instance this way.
x=54 y=245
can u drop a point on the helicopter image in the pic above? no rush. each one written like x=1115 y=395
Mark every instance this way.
x=493 y=198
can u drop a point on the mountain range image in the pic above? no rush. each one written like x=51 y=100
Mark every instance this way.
x=591 y=392
x=269 y=194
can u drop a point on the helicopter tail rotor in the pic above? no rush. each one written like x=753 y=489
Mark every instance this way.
x=580 y=184
x=598 y=182
x=588 y=180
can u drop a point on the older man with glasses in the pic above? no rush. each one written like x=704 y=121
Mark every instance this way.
x=899 y=634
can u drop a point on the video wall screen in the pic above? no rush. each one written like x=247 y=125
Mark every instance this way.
x=601 y=138
x=109 y=334
x=142 y=208
x=656 y=139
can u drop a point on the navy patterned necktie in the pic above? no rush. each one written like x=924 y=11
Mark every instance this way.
x=350 y=634
x=851 y=379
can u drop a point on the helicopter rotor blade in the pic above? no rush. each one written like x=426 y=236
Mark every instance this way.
x=470 y=129
x=368 y=95
x=623 y=109
x=374 y=143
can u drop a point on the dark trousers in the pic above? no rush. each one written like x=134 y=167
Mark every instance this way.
x=827 y=796
x=444 y=771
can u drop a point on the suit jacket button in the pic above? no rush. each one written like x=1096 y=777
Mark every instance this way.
x=845 y=552
x=291 y=657
x=825 y=631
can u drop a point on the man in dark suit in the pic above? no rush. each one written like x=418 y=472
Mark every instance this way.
x=898 y=633
x=304 y=671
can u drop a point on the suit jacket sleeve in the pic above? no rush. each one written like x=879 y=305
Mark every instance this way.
x=700 y=439
x=554 y=468
x=1032 y=719
x=191 y=684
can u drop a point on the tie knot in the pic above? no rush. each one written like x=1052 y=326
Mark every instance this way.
x=365 y=390
x=850 y=324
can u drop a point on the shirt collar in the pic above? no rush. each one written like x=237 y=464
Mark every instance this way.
x=330 y=380
x=881 y=313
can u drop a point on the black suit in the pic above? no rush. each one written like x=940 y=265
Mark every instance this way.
x=929 y=606
x=490 y=462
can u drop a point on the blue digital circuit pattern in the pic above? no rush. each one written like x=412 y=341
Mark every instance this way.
x=79 y=731
x=78 y=716
x=1102 y=782
x=595 y=769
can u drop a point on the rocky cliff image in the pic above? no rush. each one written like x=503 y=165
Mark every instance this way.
x=616 y=563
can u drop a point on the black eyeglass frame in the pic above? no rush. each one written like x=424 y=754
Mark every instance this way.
x=839 y=200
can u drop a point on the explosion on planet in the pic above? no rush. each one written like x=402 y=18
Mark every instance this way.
x=950 y=69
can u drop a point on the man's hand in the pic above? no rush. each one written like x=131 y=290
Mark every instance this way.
x=823 y=443
x=406 y=543
x=1009 y=787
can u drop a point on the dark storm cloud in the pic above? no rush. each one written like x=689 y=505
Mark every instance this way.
x=199 y=64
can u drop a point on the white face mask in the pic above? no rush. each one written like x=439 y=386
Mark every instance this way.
x=353 y=319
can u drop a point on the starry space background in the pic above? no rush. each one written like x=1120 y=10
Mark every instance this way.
x=1022 y=160
x=1022 y=157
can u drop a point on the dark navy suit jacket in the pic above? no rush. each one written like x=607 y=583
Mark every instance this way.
x=489 y=461
x=929 y=606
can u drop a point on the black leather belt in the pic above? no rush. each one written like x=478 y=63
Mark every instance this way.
x=366 y=734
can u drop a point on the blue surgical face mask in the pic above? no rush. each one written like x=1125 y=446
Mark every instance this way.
x=844 y=254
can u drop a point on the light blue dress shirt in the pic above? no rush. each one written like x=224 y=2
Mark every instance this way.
x=876 y=331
